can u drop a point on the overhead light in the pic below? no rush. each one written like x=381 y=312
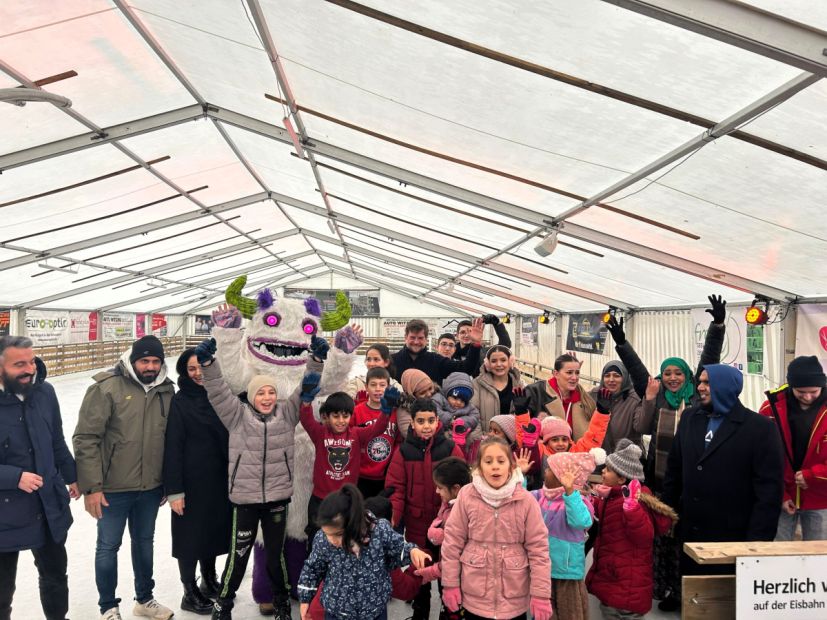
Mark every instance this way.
x=547 y=245
x=156 y=283
x=22 y=96
x=288 y=125
x=545 y=318
x=449 y=288
x=606 y=317
x=506 y=319
x=67 y=268
x=756 y=315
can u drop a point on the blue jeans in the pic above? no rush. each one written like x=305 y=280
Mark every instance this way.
x=139 y=509
x=813 y=525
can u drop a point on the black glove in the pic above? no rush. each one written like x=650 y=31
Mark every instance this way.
x=604 y=400
x=718 y=309
x=389 y=400
x=520 y=400
x=310 y=387
x=319 y=348
x=616 y=329
x=205 y=351
x=490 y=319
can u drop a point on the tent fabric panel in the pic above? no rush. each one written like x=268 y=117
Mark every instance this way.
x=43 y=123
x=119 y=76
x=614 y=47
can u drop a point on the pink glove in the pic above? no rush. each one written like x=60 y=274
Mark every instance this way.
x=540 y=608
x=436 y=534
x=347 y=340
x=459 y=432
x=531 y=433
x=452 y=597
x=430 y=573
x=631 y=503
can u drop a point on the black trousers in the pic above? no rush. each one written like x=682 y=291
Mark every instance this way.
x=50 y=560
x=186 y=568
x=311 y=528
x=246 y=518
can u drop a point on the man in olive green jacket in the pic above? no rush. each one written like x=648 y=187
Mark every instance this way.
x=119 y=449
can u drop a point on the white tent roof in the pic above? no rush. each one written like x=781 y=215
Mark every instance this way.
x=678 y=149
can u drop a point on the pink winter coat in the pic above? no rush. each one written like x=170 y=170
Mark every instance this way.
x=497 y=556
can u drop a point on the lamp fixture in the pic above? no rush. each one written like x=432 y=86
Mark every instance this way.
x=756 y=315
x=545 y=318
x=609 y=314
x=548 y=244
x=506 y=319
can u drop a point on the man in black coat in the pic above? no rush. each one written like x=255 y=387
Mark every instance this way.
x=464 y=344
x=725 y=470
x=35 y=469
x=415 y=353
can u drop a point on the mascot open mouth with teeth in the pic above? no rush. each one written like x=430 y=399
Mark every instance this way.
x=275 y=341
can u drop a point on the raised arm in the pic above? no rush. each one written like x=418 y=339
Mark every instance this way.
x=637 y=370
x=714 y=341
x=225 y=403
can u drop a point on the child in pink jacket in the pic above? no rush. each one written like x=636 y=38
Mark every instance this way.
x=495 y=560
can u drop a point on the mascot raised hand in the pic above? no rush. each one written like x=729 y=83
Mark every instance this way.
x=275 y=341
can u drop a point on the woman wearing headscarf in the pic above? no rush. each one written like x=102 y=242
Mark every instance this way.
x=628 y=417
x=664 y=400
x=195 y=482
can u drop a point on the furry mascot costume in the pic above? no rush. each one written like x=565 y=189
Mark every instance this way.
x=275 y=341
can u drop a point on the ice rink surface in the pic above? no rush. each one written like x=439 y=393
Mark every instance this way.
x=83 y=595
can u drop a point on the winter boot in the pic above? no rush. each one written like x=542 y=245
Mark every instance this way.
x=194 y=601
x=222 y=609
x=281 y=610
x=210 y=586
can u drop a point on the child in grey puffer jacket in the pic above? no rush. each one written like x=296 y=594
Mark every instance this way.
x=454 y=402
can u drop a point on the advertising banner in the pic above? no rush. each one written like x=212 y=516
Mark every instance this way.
x=118 y=326
x=528 y=331
x=586 y=333
x=362 y=302
x=811 y=332
x=47 y=327
x=140 y=326
x=5 y=321
x=83 y=327
x=159 y=325
x=203 y=324
x=734 y=351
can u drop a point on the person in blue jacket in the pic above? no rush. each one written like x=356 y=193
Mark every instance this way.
x=35 y=469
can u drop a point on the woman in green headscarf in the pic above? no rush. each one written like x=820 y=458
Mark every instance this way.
x=665 y=397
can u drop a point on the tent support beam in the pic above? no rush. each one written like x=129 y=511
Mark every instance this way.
x=744 y=26
x=725 y=127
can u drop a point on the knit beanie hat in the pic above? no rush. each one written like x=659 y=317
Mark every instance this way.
x=458 y=384
x=508 y=424
x=258 y=382
x=581 y=464
x=414 y=381
x=625 y=460
x=554 y=427
x=148 y=346
x=806 y=371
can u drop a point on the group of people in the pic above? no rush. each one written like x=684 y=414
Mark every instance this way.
x=431 y=467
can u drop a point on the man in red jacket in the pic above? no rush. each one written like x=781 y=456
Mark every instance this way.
x=799 y=410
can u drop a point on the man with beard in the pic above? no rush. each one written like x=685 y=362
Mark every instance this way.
x=35 y=468
x=119 y=447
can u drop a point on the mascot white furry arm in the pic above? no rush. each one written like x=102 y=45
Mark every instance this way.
x=275 y=341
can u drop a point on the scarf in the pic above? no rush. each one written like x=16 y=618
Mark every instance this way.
x=687 y=391
x=574 y=397
x=494 y=497
x=602 y=490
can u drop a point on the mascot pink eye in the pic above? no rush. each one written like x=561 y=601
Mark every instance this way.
x=309 y=327
x=271 y=319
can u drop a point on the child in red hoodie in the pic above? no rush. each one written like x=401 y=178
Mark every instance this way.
x=376 y=452
x=338 y=446
x=411 y=475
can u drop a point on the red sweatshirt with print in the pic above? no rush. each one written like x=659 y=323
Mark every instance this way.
x=338 y=455
x=376 y=452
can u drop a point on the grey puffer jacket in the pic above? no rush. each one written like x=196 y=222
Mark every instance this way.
x=261 y=447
